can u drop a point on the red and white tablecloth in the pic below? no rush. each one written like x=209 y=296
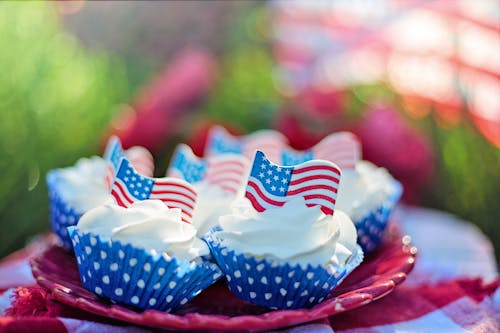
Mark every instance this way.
x=453 y=289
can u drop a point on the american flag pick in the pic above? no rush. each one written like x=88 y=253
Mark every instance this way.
x=129 y=186
x=342 y=148
x=271 y=185
x=140 y=157
x=227 y=171
x=220 y=141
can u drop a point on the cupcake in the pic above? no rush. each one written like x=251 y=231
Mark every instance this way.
x=285 y=245
x=143 y=256
x=368 y=194
x=284 y=258
x=218 y=181
x=86 y=185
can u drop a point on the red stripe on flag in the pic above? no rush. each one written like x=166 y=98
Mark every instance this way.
x=319 y=196
x=254 y=202
x=262 y=195
x=313 y=177
x=124 y=193
x=176 y=183
x=316 y=168
x=117 y=198
x=326 y=210
x=159 y=193
x=171 y=204
x=312 y=187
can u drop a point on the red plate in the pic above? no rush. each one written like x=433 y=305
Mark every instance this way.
x=217 y=308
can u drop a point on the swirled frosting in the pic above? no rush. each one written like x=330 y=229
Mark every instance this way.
x=83 y=186
x=364 y=188
x=212 y=202
x=148 y=224
x=294 y=234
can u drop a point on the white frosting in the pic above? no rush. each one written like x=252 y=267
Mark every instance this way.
x=294 y=234
x=363 y=189
x=211 y=203
x=83 y=186
x=148 y=224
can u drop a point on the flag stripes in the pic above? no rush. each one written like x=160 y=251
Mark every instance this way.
x=270 y=185
x=129 y=186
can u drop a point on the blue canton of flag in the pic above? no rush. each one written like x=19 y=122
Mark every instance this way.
x=221 y=142
x=136 y=185
x=274 y=179
x=187 y=166
x=292 y=157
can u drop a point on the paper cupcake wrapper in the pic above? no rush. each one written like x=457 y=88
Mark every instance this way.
x=133 y=276
x=277 y=286
x=371 y=227
x=62 y=215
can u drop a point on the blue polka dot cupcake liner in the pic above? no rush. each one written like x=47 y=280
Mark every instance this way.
x=62 y=215
x=135 y=277
x=277 y=286
x=371 y=227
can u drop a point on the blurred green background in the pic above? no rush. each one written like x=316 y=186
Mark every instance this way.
x=67 y=69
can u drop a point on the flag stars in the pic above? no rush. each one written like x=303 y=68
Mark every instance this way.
x=276 y=178
x=273 y=188
x=282 y=189
x=284 y=180
x=136 y=193
x=287 y=172
x=139 y=185
x=132 y=186
x=261 y=175
x=262 y=166
x=126 y=178
x=134 y=178
x=269 y=172
x=268 y=181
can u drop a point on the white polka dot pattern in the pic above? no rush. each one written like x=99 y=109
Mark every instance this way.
x=275 y=285
x=137 y=278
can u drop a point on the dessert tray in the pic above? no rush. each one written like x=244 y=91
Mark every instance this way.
x=217 y=309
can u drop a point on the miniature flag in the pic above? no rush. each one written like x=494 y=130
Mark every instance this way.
x=129 y=186
x=271 y=185
x=140 y=157
x=342 y=148
x=220 y=141
x=227 y=171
